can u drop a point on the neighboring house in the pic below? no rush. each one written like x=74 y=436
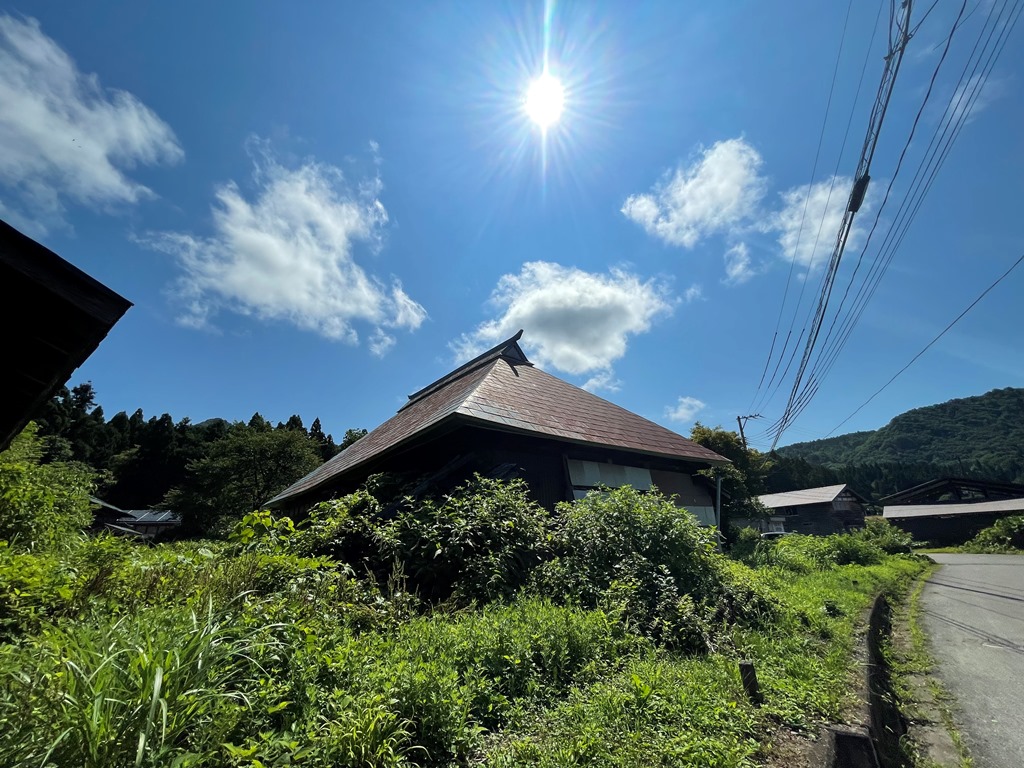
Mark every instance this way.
x=816 y=511
x=501 y=416
x=54 y=316
x=952 y=510
x=143 y=524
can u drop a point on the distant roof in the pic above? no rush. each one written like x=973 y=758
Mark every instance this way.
x=958 y=487
x=1002 y=506
x=61 y=315
x=821 y=495
x=148 y=516
x=502 y=390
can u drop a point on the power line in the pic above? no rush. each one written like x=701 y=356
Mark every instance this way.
x=955 y=117
x=830 y=353
x=770 y=393
x=897 y=48
x=814 y=171
x=931 y=343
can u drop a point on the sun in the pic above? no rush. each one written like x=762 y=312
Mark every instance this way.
x=544 y=101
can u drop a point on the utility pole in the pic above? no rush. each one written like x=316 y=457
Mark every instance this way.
x=741 y=420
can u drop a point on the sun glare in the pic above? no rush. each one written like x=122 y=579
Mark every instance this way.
x=544 y=101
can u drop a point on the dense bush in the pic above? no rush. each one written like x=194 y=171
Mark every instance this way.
x=643 y=558
x=480 y=542
x=41 y=505
x=744 y=543
x=1006 y=535
x=886 y=536
x=803 y=554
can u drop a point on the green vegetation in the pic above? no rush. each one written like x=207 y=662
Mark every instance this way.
x=207 y=472
x=41 y=504
x=474 y=628
x=974 y=436
x=1005 y=536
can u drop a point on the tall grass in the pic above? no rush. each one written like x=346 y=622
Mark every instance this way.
x=142 y=691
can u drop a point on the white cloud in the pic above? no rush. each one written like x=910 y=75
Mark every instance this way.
x=602 y=381
x=287 y=254
x=380 y=342
x=575 y=321
x=738 y=267
x=716 y=193
x=971 y=97
x=63 y=136
x=694 y=293
x=685 y=409
x=812 y=243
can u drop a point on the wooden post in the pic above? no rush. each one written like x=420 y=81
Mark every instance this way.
x=749 y=677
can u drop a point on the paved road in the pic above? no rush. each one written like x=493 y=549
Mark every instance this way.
x=973 y=611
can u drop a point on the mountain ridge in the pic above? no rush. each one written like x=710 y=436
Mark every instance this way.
x=978 y=436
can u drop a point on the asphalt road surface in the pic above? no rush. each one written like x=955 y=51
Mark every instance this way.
x=973 y=611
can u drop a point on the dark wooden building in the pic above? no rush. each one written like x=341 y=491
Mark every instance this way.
x=501 y=416
x=54 y=316
x=951 y=510
x=816 y=511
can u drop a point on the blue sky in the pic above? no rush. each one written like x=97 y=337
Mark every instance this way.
x=318 y=208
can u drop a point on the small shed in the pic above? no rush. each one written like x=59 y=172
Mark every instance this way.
x=500 y=415
x=950 y=523
x=816 y=511
x=54 y=315
x=145 y=524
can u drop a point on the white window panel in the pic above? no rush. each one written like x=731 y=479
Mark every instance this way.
x=704 y=515
x=591 y=474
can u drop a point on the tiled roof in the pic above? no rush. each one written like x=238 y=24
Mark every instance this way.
x=502 y=390
x=1002 y=506
x=799 y=498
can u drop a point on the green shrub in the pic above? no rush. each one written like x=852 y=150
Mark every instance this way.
x=744 y=543
x=803 y=554
x=41 y=505
x=640 y=557
x=478 y=543
x=1006 y=535
x=889 y=538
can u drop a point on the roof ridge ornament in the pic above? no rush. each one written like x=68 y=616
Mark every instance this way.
x=508 y=350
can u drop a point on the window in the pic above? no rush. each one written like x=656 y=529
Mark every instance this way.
x=586 y=476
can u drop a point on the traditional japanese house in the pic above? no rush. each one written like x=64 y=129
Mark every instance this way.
x=502 y=416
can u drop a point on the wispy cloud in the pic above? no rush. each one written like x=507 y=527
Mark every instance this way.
x=738 y=266
x=809 y=221
x=63 y=136
x=685 y=409
x=575 y=321
x=719 y=190
x=286 y=254
x=694 y=293
x=971 y=97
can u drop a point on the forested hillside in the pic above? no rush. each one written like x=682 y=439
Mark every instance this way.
x=979 y=436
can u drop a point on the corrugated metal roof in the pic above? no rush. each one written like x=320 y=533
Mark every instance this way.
x=1002 y=506
x=506 y=392
x=821 y=495
x=135 y=516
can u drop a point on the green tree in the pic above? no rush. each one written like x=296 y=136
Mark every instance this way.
x=41 y=505
x=351 y=436
x=324 y=442
x=239 y=473
x=743 y=480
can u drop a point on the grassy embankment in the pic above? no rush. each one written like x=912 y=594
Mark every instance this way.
x=472 y=630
